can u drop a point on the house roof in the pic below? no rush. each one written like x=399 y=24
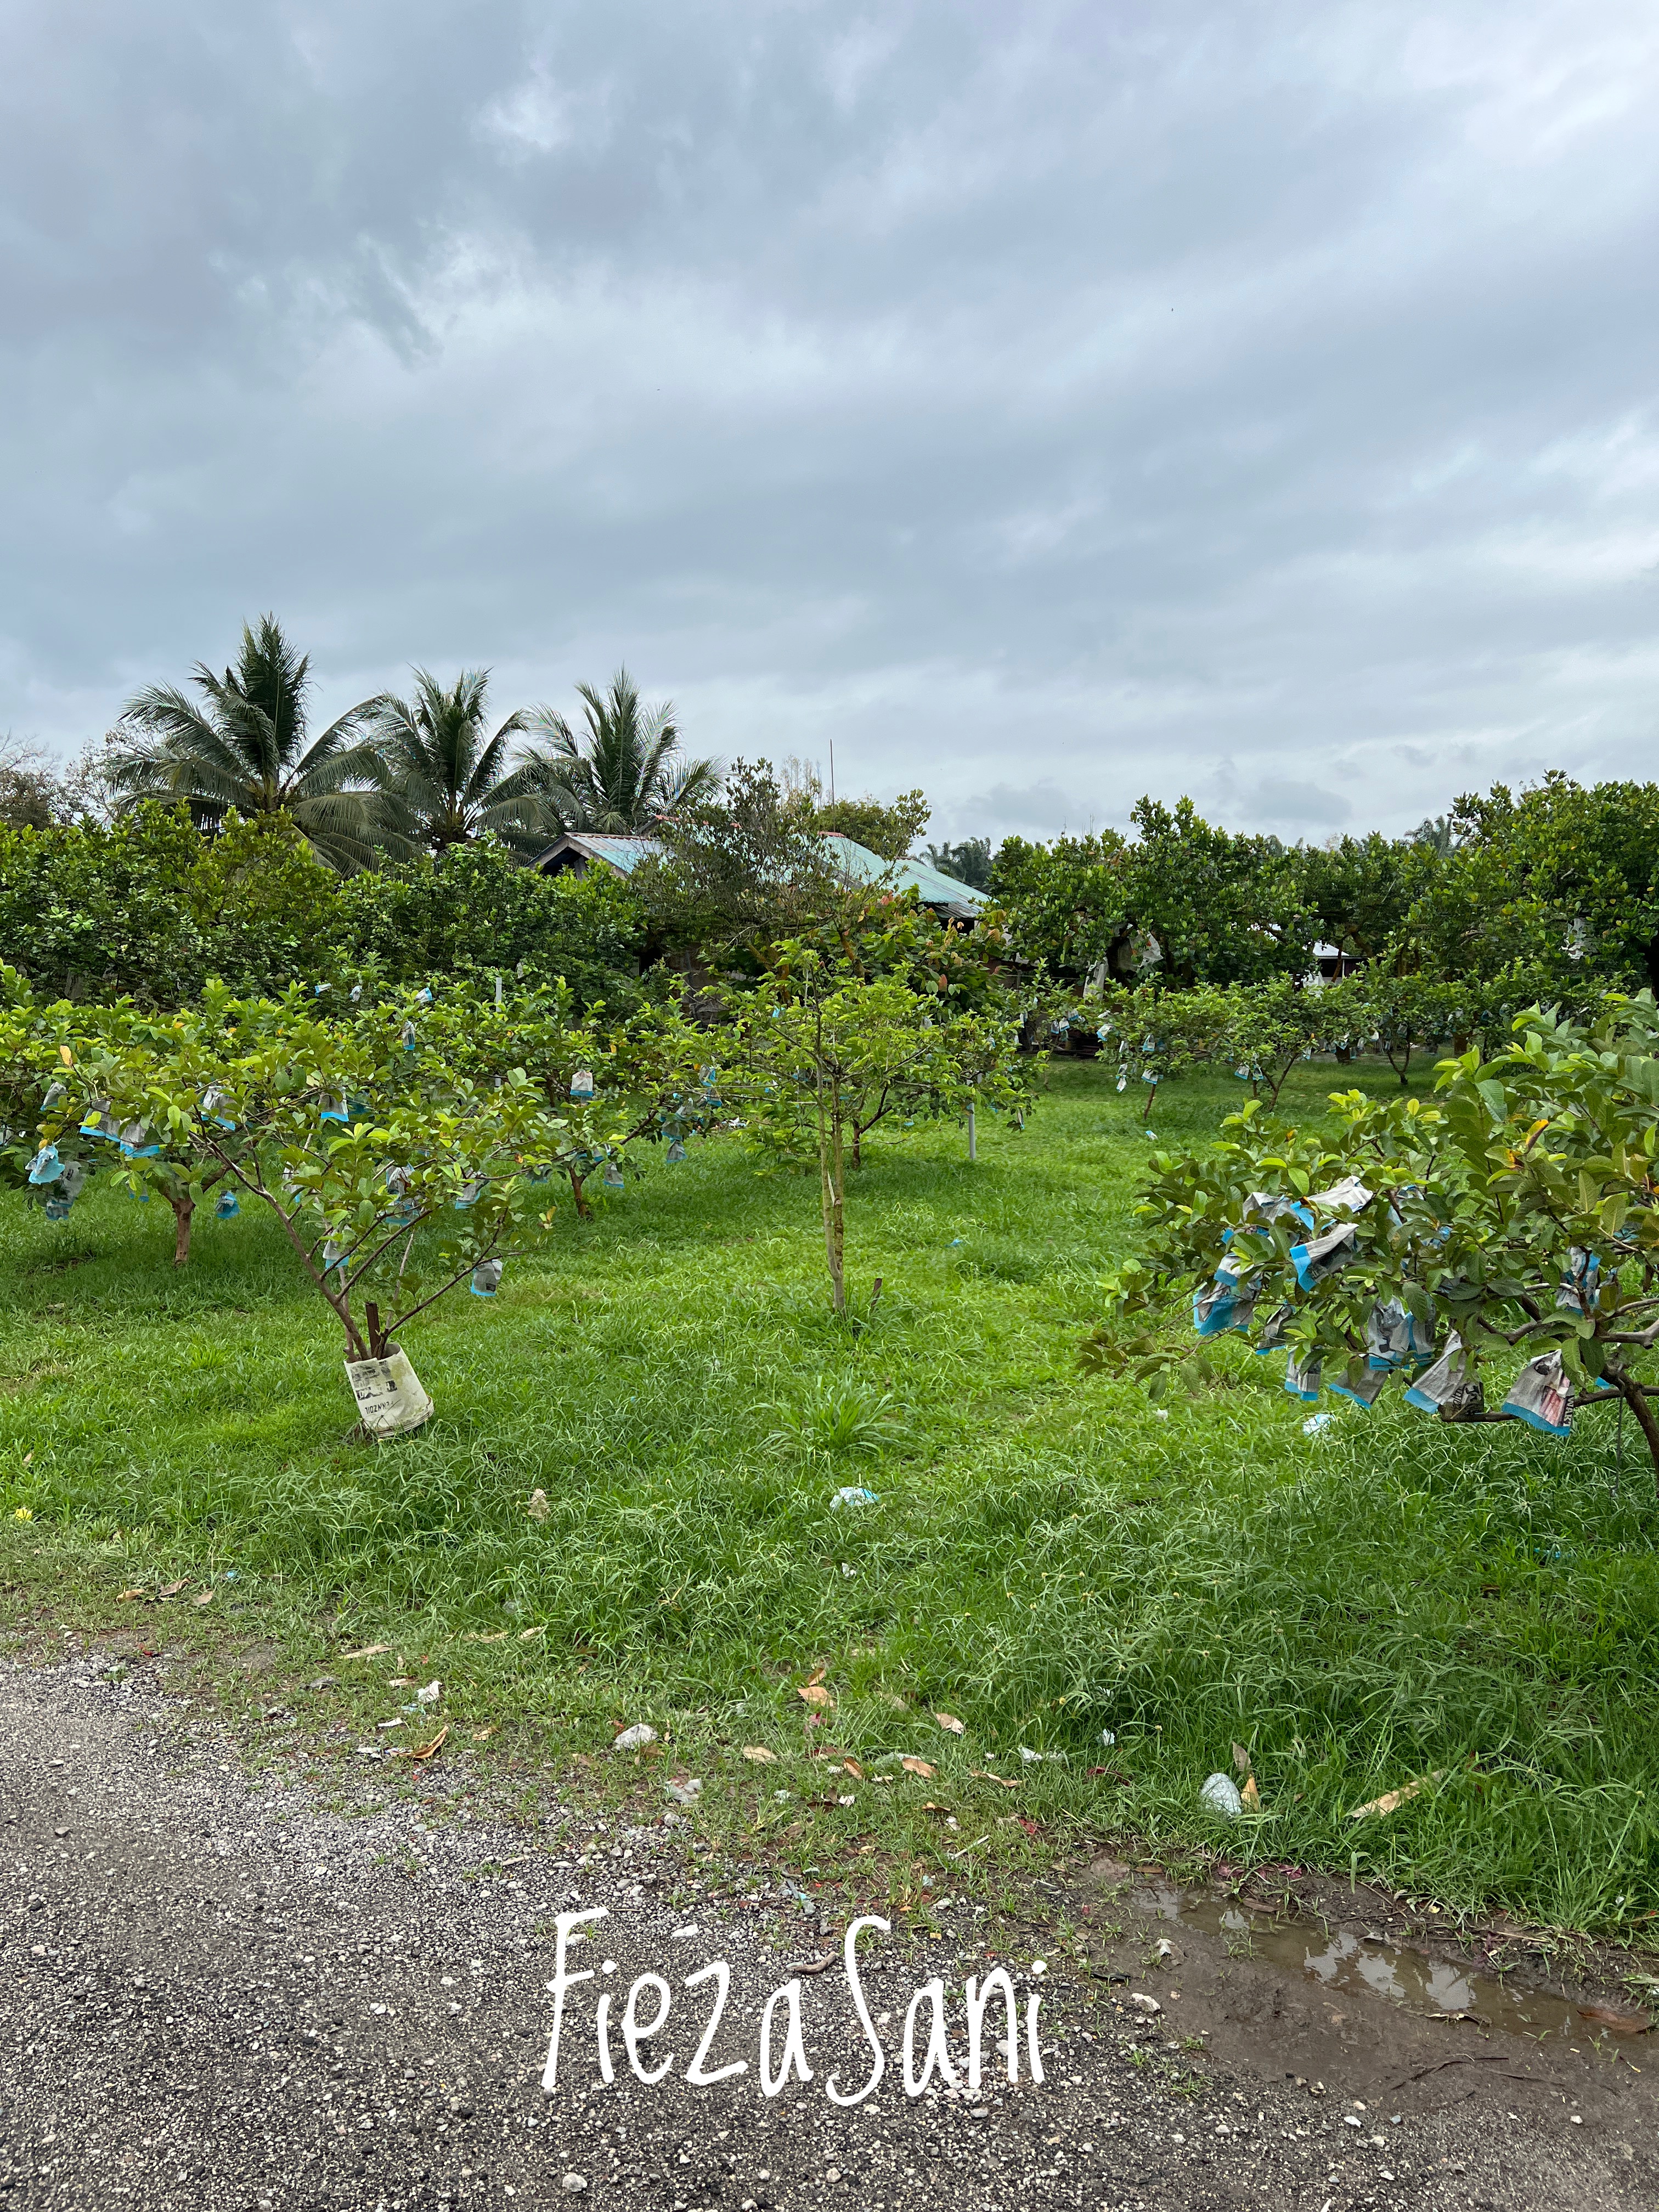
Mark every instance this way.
x=622 y=853
x=931 y=886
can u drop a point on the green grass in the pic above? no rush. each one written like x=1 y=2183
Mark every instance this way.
x=1049 y=1557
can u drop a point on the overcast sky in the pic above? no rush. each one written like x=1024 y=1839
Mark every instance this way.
x=1046 y=403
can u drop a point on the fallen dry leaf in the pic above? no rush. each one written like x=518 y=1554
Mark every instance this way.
x=171 y=1589
x=1241 y=1758
x=475 y=1636
x=1250 y=1796
x=524 y=1634
x=426 y=1750
x=129 y=1593
x=997 y=1778
x=950 y=1721
x=479 y=1735
x=851 y=1766
x=912 y=1766
x=368 y=1651
x=759 y=1755
x=1616 y=2023
x=814 y=1694
x=816 y=1676
x=202 y=1597
x=1392 y=1800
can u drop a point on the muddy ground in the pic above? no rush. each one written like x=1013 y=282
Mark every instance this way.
x=216 y=1991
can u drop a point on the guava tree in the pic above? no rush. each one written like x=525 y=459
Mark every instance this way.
x=392 y=1182
x=1152 y=1034
x=815 y=1045
x=100 y=1043
x=1256 y=1032
x=35 y=1056
x=52 y=1058
x=1511 y=1221
x=646 y=1075
x=1265 y=1029
x=33 y=1035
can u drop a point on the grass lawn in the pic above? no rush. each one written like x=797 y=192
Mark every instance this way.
x=1049 y=1557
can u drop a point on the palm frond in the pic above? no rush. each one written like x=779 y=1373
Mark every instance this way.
x=690 y=781
x=340 y=827
x=345 y=733
x=620 y=774
x=243 y=745
x=360 y=764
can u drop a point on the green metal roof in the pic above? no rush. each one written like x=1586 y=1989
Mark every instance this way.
x=931 y=886
x=857 y=861
x=622 y=853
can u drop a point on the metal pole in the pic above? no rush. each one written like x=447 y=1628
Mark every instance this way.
x=973 y=1135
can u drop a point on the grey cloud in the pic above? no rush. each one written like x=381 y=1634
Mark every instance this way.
x=1038 y=810
x=1297 y=810
x=1048 y=403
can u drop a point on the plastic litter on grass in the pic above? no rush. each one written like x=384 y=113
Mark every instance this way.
x=1221 y=1794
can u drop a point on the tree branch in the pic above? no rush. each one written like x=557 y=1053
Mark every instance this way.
x=403 y=1319
x=397 y=1228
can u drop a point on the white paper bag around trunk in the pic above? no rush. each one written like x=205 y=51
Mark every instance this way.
x=388 y=1393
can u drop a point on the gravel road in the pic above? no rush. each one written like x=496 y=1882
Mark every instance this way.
x=216 y=1991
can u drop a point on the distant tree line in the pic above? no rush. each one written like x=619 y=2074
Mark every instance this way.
x=1552 y=894
x=214 y=831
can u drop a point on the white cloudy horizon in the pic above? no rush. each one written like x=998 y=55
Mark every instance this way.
x=1046 y=403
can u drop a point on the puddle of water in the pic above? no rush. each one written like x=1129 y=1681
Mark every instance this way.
x=1384 y=1968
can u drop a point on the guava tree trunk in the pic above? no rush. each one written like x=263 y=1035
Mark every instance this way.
x=1636 y=1399
x=829 y=1173
x=584 y=1211
x=184 y=1208
x=837 y=1215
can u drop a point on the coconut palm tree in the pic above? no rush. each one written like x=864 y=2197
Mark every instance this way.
x=623 y=771
x=246 y=746
x=446 y=781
